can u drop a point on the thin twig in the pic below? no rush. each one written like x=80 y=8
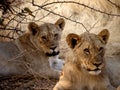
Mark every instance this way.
x=78 y=4
x=59 y=15
x=93 y=25
x=114 y=3
x=11 y=29
x=7 y=37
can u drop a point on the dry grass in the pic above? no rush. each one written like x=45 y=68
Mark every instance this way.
x=26 y=83
x=32 y=81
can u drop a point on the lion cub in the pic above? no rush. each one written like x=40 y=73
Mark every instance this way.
x=85 y=66
x=29 y=54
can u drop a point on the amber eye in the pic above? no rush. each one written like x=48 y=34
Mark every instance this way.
x=43 y=37
x=86 y=50
x=56 y=35
x=101 y=49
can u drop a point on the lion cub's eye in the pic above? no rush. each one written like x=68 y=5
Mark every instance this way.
x=56 y=35
x=43 y=37
x=86 y=50
x=101 y=49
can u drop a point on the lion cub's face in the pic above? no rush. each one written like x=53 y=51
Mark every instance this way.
x=47 y=36
x=89 y=49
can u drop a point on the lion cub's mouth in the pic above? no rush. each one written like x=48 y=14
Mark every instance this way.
x=96 y=71
x=52 y=54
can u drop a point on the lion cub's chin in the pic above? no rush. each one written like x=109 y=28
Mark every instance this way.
x=95 y=72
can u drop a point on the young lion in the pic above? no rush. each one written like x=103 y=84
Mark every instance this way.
x=85 y=68
x=31 y=51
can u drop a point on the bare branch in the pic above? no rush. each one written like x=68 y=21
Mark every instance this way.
x=78 y=4
x=19 y=17
x=11 y=29
x=7 y=37
x=59 y=15
x=113 y=3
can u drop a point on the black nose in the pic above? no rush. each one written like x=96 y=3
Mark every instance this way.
x=97 y=65
x=53 y=48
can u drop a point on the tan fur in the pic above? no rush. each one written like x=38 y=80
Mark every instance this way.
x=29 y=53
x=113 y=69
x=85 y=67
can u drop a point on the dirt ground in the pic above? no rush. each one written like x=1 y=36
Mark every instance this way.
x=26 y=83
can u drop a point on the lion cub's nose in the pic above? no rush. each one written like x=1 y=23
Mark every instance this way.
x=97 y=64
x=53 y=48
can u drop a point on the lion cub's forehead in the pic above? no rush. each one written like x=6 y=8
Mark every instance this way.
x=91 y=40
x=48 y=28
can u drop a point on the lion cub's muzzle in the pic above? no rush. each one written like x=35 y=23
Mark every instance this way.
x=97 y=70
x=53 y=52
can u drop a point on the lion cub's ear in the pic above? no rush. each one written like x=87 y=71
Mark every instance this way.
x=33 y=27
x=72 y=40
x=61 y=23
x=104 y=35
